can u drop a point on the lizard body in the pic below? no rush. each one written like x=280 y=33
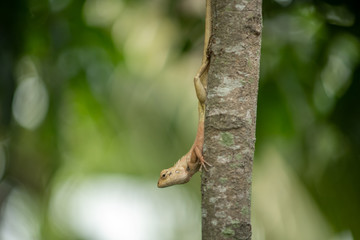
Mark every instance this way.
x=193 y=161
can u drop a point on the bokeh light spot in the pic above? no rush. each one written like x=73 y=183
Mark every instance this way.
x=30 y=103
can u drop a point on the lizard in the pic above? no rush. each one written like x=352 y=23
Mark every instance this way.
x=193 y=161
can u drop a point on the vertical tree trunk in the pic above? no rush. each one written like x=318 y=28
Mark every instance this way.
x=230 y=118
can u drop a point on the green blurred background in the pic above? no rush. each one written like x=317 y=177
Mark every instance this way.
x=96 y=97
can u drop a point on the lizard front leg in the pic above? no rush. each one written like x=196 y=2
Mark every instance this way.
x=199 y=155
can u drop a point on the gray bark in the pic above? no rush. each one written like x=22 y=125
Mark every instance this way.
x=230 y=118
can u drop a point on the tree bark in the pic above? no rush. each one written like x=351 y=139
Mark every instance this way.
x=230 y=118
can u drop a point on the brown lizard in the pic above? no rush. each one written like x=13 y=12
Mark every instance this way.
x=193 y=161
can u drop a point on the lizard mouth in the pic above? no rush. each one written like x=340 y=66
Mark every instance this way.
x=159 y=185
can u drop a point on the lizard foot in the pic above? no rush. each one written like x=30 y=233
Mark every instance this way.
x=203 y=163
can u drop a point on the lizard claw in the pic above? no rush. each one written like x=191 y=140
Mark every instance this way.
x=203 y=164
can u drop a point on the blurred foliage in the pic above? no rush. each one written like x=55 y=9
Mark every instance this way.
x=93 y=88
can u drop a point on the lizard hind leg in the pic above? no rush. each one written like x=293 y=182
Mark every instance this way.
x=200 y=90
x=199 y=85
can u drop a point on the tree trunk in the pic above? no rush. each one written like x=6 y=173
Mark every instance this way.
x=230 y=118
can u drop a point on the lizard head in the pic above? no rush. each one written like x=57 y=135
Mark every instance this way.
x=172 y=176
